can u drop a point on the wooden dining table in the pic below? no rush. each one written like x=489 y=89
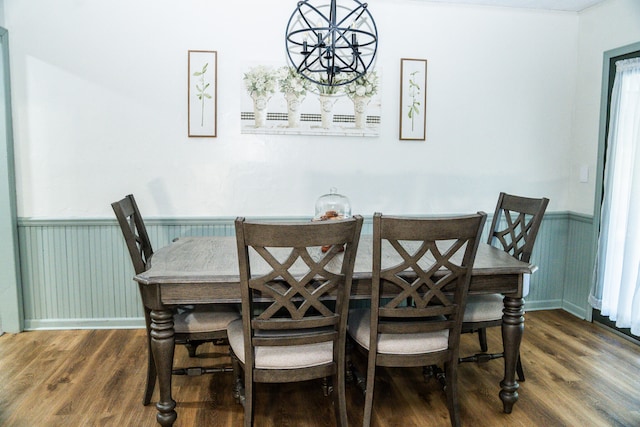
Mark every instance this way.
x=204 y=270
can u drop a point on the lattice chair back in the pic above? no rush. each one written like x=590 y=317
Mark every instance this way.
x=134 y=232
x=515 y=224
x=295 y=291
x=421 y=273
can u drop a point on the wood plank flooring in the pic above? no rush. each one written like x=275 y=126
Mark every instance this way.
x=578 y=374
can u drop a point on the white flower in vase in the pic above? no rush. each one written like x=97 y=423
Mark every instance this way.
x=365 y=86
x=328 y=95
x=292 y=83
x=360 y=92
x=260 y=83
x=294 y=87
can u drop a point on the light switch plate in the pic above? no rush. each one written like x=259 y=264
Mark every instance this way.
x=584 y=173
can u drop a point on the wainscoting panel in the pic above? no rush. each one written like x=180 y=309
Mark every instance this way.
x=580 y=261
x=546 y=286
x=77 y=273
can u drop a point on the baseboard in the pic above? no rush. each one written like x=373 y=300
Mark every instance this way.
x=57 y=324
x=576 y=310
x=542 y=305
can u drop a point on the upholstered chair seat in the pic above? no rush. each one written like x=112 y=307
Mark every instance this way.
x=483 y=308
x=359 y=328
x=280 y=357
x=205 y=319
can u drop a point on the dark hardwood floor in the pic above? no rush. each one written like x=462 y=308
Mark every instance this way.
x=578 y=374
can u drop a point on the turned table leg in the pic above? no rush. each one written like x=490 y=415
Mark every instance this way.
x=512 y=329
x=162 y=345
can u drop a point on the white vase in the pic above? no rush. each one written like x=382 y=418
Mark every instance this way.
x=293 y=109
x=260 y=109
x=360 y=110
x=326 y=109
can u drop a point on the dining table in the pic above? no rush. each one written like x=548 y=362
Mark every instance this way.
x=204 y=270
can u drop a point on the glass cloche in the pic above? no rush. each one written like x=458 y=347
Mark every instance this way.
x=332 y=206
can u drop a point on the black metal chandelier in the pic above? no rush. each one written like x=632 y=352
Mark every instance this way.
x=331 y=45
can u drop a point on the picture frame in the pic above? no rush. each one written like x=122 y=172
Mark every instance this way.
x=413 y=99
x=202 y=93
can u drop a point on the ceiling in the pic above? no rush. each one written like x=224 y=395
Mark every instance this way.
x=564 y=5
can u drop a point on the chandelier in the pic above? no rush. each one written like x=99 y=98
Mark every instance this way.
x=331 y=45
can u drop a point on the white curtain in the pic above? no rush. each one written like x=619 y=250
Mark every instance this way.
x=617 y=287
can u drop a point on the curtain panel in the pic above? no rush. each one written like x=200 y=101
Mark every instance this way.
x=617 y=286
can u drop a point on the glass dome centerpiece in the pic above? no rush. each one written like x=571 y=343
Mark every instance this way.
x=332 y=206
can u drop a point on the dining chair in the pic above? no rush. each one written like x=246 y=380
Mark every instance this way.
x=295 y=300
x=514 y=229
x=420 y=279
x=193 y=325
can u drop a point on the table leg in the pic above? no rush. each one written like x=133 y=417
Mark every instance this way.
x=162 y=345
x=512 y=329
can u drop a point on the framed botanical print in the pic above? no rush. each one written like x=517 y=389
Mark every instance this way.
x=202 y=93
x=413 y=99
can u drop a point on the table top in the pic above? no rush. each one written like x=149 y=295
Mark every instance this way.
x=213 y=261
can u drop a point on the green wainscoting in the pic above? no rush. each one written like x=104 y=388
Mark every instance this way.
x=579 y=261
x=77 y=273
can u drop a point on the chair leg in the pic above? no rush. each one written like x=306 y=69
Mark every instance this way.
x=327 y=386
x=482 y=339
x=368 y=396
x=352 y=374
x=243 y=389
x=429 y=372
x=238 y=383
x=451 y=390
x=519 y=369
x=341 y=404
x=151 y=375
x=248 y=397
x=348 y=360
x=192 y=347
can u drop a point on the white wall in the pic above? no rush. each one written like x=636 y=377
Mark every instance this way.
x=99 y=98
x=610 y=25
